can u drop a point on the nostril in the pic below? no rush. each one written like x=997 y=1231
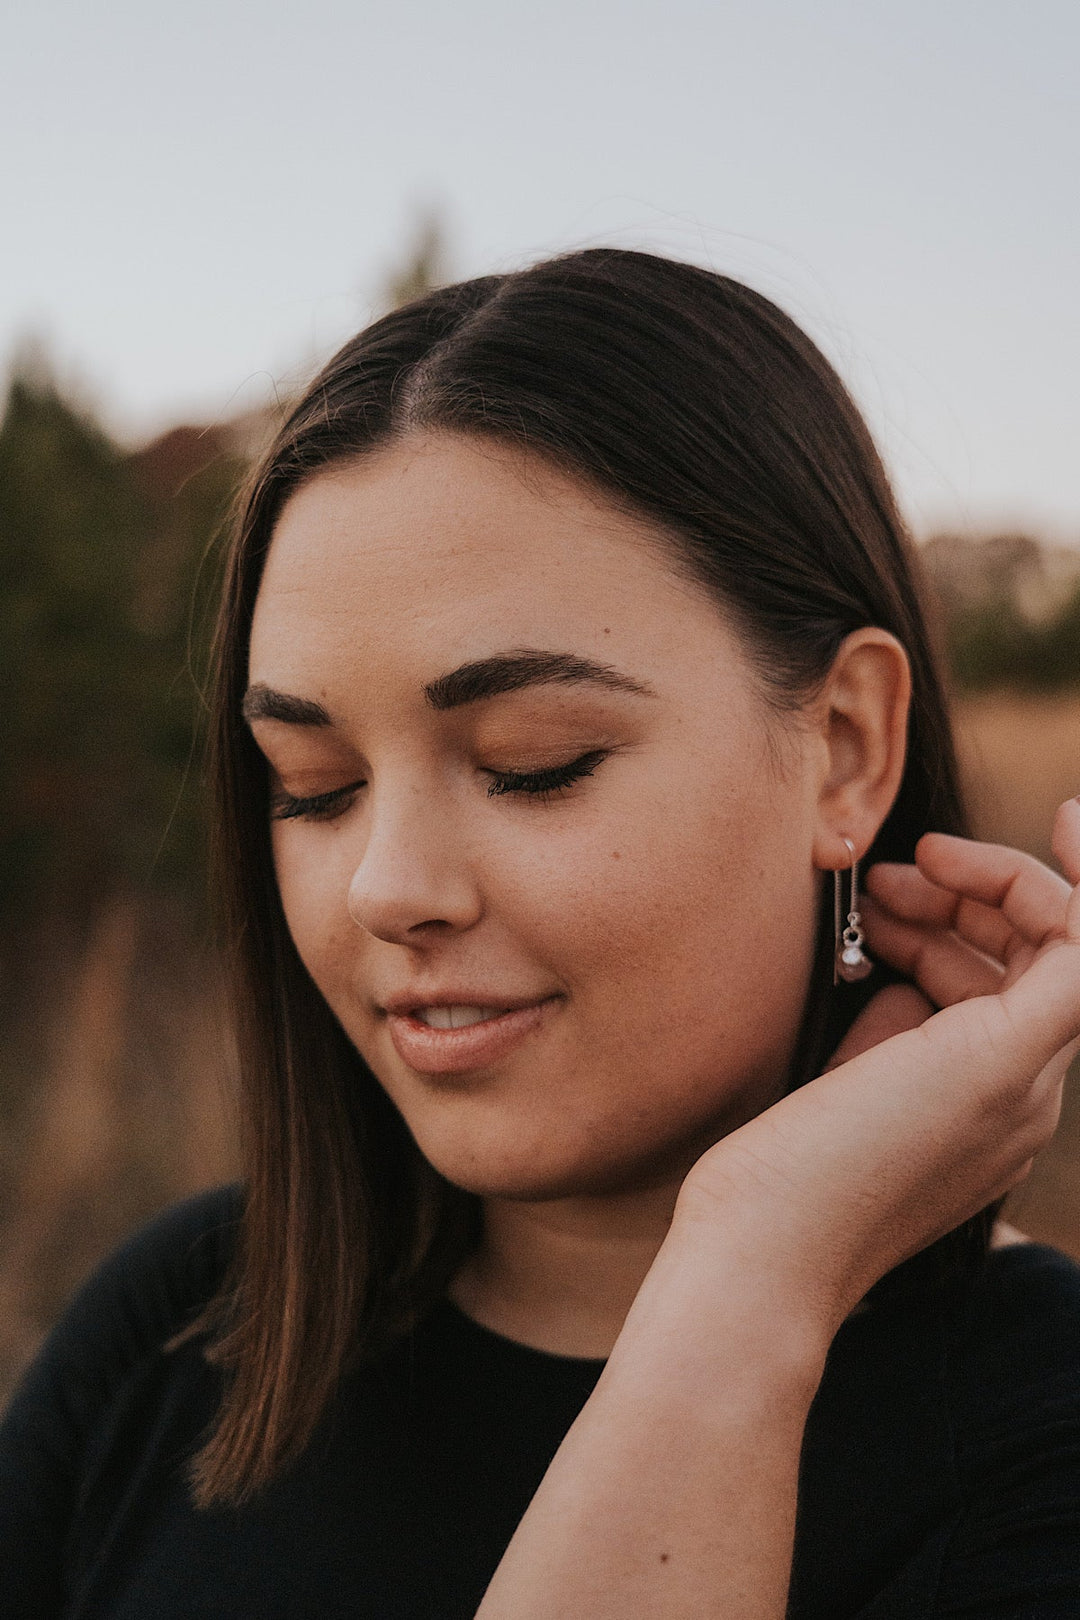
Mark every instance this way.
x=406 y=902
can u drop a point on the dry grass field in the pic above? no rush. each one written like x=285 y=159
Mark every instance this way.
x=126 y=1061
x=1021 y=758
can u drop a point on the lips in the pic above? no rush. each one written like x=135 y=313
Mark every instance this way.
x=471 y=1046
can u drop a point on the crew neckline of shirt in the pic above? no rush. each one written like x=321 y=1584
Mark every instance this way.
x=479 y=1331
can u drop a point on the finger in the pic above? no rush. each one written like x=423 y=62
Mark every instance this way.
x=1065 y=839
x=943 y=965
x=1031 y=897
x=892 y=1010
x=1043 y=1005
x=988 y=931
x=1053 y=1077
x=909 y=895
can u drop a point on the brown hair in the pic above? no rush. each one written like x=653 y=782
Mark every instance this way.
x=687 y=398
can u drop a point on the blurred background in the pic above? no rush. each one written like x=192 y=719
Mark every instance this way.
x=200 y=203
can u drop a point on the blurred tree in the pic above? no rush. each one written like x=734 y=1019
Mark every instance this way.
x=424 y=266
x=1062 y=646
x=100 y=553
x=1010 y=610
x=992 y=645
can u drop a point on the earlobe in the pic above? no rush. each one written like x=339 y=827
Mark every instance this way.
x=862 y=716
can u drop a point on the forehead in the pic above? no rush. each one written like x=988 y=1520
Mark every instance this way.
x=436 y=547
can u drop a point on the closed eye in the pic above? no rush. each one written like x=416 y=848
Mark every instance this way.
x=541 y=785
x=317 y=807
x=545 y=784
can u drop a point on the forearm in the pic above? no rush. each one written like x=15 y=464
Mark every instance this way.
x=674 y=1492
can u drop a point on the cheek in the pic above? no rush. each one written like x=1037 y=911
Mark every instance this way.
x=313 y=881
x=690 y=938
x=687 y=867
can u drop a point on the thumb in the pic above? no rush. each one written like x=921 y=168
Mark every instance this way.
x=894 y=1009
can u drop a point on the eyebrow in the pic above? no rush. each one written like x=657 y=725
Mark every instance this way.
x=469 y=683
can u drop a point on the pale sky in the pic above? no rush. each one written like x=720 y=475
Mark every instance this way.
x=199 y=201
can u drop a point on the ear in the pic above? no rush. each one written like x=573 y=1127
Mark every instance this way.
x=861 y=720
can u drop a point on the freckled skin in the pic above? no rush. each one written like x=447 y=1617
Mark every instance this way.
x=684 y=968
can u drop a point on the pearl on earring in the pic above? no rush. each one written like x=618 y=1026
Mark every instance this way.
x=850 y=962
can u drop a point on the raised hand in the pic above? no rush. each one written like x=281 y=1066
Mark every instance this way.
x=913 y=1131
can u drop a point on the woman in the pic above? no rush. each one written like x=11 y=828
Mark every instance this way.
x=614 y=1239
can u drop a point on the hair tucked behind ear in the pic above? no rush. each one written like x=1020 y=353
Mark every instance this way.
x=683 y=396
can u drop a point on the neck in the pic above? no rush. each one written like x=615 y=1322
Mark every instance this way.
x=562 y=1275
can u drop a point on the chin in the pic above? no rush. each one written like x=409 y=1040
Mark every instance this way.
x=529 y=1172
x=490 y=1174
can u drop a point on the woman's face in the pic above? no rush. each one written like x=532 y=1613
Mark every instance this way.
x=658 y=911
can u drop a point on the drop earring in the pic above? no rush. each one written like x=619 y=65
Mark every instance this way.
x=850 y=962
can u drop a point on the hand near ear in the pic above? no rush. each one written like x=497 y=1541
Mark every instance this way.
x=952 y=943
x=968 y=919
x=922 y=1118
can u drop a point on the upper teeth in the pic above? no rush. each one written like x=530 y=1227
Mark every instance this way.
x=456 y=1017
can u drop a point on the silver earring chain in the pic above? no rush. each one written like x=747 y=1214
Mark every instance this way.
x=850 y=962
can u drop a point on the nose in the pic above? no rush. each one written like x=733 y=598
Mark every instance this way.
x=415 y=875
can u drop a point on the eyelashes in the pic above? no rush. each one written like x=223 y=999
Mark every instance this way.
x=538 y=785
x=318 y=807
x=545 y=784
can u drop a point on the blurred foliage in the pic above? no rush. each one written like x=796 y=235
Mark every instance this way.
x=992 y=644
x=103 y=641
x=423 y=266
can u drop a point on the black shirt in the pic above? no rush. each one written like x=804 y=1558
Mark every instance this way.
x=940 y=1472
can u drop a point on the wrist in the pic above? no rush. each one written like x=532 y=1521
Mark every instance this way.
x=781 y=1270
x=709 y=1316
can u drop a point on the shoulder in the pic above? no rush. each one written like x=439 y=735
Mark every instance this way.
x=1014 y=1409
x=942 y=1470
x=167 y=1270
x=158 y=1280
x=90 y=1396
x=1015 y=1345
x=144 y=1292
